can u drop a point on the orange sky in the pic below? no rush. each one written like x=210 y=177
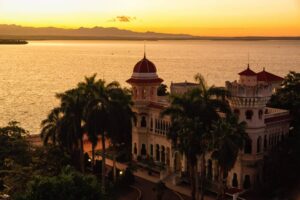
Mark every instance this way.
x=197 y=17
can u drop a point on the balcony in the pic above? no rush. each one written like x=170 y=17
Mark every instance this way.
x=252 y=159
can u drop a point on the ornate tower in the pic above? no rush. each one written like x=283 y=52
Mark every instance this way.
x=144 y=82
x=249 y=96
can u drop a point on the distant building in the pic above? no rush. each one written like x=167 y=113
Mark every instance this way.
x=267 y=127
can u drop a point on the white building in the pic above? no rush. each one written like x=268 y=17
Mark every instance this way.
x=250 y=94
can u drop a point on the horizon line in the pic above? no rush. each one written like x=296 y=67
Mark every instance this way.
x=148 y=31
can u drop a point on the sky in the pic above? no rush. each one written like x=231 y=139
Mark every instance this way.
x=196 y=17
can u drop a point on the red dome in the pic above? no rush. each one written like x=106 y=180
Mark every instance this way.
x=144 y=66
x=247 y=72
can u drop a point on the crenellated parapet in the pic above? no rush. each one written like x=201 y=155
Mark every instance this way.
x=259 y=90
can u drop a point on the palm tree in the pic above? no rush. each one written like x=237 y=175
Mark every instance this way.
x=50 y=127
x=192 y=115
x=103 y=113
x=227 y=137
x=213 y=102
x=121 y=121
x=91 y=88
x=72 y=124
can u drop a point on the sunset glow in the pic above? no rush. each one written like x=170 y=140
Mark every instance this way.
x=197 y=17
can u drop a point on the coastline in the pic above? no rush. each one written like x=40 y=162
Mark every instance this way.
x=12 y=42
x=14 y=39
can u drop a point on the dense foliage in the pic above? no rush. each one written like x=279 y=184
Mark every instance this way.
x=192 y=115
x=94 y=108
x=68 y=185
x=284 y=164
x=162 y=90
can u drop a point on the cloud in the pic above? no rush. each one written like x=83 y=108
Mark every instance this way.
x=123 y=18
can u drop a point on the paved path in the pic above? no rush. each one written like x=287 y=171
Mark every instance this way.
x=143 y=174
x=129 y=194
x=149 y=194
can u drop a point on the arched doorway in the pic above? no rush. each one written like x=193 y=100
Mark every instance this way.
x=177 y=162
x=163 y=155
x=235 y=182
x=209 y=169
x=143 y=150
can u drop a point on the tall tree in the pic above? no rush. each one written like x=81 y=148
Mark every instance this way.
x=192 y=115
x=71 y=127
x=49 y=127
x=227 y=138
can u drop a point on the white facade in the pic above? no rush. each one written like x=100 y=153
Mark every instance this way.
x=265 y=126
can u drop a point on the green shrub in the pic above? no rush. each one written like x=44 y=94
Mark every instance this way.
x=69 y=185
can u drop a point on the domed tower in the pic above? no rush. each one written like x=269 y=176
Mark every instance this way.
x=144 y=82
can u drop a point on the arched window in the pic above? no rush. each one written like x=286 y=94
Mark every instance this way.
x=143 y=122
x=209 y=169
x=248 y=147
x=152 y=91
x=144 y=93
x=134 y=149
x=163 y=154
x=143 y=150
x=235 y=182
x=236 y=112
x=258 y=143
x=157 y=153
x=249 y=114
x=151 y=124
x=134 y=92
x=151 y=149
x=260 y=114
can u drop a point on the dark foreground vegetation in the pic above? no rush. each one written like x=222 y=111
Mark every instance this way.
x=60 y=170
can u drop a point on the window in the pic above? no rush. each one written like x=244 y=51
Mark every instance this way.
x=209 y=169
x=144 y=91
x=248 y=147
x=134 y=149
x=236 y=112
x=152 y=91
x=151 y=124
x=143 y=122
x=151 y=149
x=163 y=154
x=143 y=150
x=157 y=153
x=260 y=114
x=249 y=114
x=134 y=92
x=258 y=143
x=235 y=182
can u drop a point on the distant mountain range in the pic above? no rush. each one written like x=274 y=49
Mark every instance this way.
x=101 y=33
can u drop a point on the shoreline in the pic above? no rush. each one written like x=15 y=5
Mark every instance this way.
x=12 y=42
x=16 y=39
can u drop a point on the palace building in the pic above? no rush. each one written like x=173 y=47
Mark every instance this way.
x=266 y=126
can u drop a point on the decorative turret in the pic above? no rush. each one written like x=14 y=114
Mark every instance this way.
x=144 y=81
x=250 y=95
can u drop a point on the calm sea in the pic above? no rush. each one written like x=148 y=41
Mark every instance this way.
x=30 y=75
